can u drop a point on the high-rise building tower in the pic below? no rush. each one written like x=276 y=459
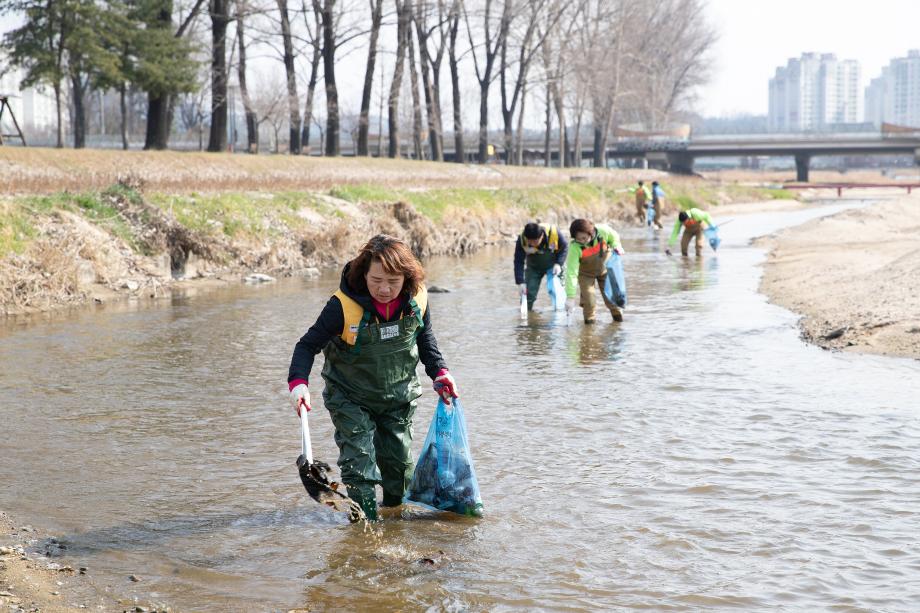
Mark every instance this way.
x=894 y=96
x=815 y=93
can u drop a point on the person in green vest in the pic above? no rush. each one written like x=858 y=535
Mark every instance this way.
x=692 y=221
x=373 y=332
x=586 y=265
x=542 y=249
x=643 y=195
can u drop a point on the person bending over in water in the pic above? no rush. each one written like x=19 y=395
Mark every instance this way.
x=587 y=264
x=692 y=221
x=543 y=250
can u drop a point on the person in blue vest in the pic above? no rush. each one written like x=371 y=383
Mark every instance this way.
x=540 y=248
x=373 y=332
x=657 y=201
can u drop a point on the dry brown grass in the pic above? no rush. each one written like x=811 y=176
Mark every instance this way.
x=39 y=170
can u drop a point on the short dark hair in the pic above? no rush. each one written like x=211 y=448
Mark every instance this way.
x=533 y=230
x=581 y=225
x=654 y=182
x=641 y=183
x=682 y=216
x=395 y=257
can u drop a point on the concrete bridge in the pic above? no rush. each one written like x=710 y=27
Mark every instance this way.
x=800 y=147
x=678 y=155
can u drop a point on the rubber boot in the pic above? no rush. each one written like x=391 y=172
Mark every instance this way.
x=367 y=500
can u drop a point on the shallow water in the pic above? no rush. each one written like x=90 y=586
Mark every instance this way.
x=697 y=456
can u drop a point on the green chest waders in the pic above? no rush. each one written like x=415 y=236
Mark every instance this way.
x=371 y=389
x=535 y=269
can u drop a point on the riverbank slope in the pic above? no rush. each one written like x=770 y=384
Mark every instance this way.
x=79 y=227
x=854 y=277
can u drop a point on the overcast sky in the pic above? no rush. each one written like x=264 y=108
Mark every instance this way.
x=756 y=36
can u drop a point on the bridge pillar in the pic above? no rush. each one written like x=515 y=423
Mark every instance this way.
x=680 y=163
x=917 y=156
x=802 y=160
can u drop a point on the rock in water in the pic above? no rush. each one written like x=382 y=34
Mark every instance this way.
x=437 y=289
x=258 y=277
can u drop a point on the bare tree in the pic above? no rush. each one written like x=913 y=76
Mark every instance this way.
x=220 y=18
x=416 y=101
x=313 y=26
x=678 y=60
x=403 y=15
x=252 y=125
x=453 y=20
x=494 y=35
x=529 y=41
x=431 y=68
x=376 y=7
x=290 y=73
x=270 y=105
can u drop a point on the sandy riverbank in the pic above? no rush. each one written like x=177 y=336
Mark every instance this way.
x=854 y=276
x=30 y=579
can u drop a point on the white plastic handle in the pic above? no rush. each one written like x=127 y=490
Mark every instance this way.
x=306 y=447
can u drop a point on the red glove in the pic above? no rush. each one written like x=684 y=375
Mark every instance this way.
x=300 y=395
x=445 y=386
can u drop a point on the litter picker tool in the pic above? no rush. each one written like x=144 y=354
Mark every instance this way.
x=315 y=478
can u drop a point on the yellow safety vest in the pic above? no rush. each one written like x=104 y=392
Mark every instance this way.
x=353 y=313
x=552 y=236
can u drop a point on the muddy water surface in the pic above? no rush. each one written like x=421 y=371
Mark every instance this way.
x=698 y=455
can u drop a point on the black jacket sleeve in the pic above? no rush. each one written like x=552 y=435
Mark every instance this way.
x=328 y=325
x=519 y=263
x=428 y=351
x=563 y=252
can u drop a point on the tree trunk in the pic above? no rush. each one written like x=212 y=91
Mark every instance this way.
x=547 y=154
x=416 y=99
x=563 y=132
x=311 y=92
x=60 y=117
x=432 y=107
x=157 y=122
x=252 y=121
x=289 y=71
x=459 y=152
x=599 y=153
x=79 y=112
x=158 y=104
x=519 y=145
x=364 y=117
x=123 y=103
x=220 y=17
x=332 y=95
x=576 y=151
x=402 y=29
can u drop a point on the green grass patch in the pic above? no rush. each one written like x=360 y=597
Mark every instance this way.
x=16 y=229
x=435 y=203
x=237 y=214
x=685 y=202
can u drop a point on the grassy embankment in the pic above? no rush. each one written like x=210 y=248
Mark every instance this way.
x=77 y=222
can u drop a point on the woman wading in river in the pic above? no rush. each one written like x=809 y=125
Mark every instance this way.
x=373 y=331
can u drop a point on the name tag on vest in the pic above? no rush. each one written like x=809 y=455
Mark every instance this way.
x=388 y=332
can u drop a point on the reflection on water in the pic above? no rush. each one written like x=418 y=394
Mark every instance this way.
x=696 y=456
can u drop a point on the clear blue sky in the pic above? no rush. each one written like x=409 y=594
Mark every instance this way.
x=759 y=35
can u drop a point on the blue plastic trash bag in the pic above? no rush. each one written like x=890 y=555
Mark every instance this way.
x=649 y=213
x=712 y=235
x=444 y=478
x=555 y=289
x=615 y=285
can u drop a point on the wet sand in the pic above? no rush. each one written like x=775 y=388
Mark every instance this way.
x=30 y=581
x=854 y=276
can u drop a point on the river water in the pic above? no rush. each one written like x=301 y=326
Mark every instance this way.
x=697 y=456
